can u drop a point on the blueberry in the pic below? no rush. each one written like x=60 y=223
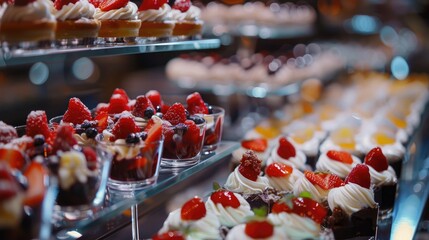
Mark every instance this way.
x=159 y=114
x=210 y=109
x=158 y=108
x=149 y=112
x=143 y=135
x=79 y=130
x=91 y=132
x=197 y=119
x=39 y=140
x=132 y=138
x=86 y=124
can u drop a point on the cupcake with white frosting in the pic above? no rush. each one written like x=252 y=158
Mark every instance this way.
x=286 y=153
x=186 y=18
x=339 y=163
x=156 y=19
x=282 y=177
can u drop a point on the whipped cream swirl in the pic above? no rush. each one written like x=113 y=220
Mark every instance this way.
x=72 y=11
x=238 y=232
x=303 y=184
x=351 y=198
x=229 y=216
x=386 y=177
x=236 y=182
x=298 y=161
x=193 y=13
x=285 y=183
x=129 y=12
x=156 y=15
x=34 y=11
x=296 y=227
x=325 y=163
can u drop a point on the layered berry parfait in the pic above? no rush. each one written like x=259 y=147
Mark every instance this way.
x=136 y=153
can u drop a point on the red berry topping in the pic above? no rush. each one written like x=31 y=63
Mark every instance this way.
x=37 y=123
x=13 y=157
x=64 y=139
x=360 y=175
x=151 y=4
x=101 y=107
x=91 y=158
x=141 y=105
x=182 y=5
x=259 y=229
x=196 y=104
x=176 y=114
x=7 y=133
x=58 y=4
x=96 y=3
x=155 y=97
x=324 y=180
x=193 y=209
x=102 y=122
x=286 y=150
x=307 y=207
x=170 y=235
x=226 y=198
x=192 y=135
x=376 y=159
x=36 y=175
x=340 y=156
x=76 y=112
x=124 y=127
x=8 y=185
x=279 y=207
x=257 y=145
x=118 y=103
x=250 y=166
x=108 y=5
x=121 y=92
x=278 y=170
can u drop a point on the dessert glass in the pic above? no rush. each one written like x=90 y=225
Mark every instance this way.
x=182 y=149
x=134 y=165
x=214 y=127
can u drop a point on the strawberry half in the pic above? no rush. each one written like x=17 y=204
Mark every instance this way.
x=340 y=156
x=279 y=207
x=151 y=4
x=376 y=159
x=13 y=157
x=360 y=175
x=58 y=4
x=102 y=121
x=176 y=114
x=257 y=145
x=250 y=166
x=286 y=150
x=96 y=3
x=170 y=235
x=35 y=174
x=7 y=133
x=324 y=180
x=193 y=209
x=259 y=229
x=76 y=112
x=155 y=97
x=124 y=127
x=117 y=104
x=225 y=198
x=196 y=104
x=37 y=123
x=182 y=5
x=108 y=5
x=278 y=170
x=141 y=105
x=307 y=207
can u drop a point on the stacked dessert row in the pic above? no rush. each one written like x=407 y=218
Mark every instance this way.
x=37 y=20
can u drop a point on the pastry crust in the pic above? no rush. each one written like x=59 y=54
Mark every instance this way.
x=188 y=28
x=156 y=29
x=27 y=31
x=119 y=28
x=87 y=28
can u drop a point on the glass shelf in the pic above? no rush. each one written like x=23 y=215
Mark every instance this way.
x=17 y=57
x=117 y=202
x=260 y=31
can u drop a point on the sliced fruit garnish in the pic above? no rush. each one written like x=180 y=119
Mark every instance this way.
x=250 y=166
x=286 y=149
x=76 y=112
x=259 y=229
x=7 y=133
x=170 y=235
x=13 y=157
x=278 y=170
x=176 y=114
x=383 y=139
x=309 y=208
x=37 y=123
x=196 y=104
x=324 y=180
x=376 y=159
x=340 y=156
x=102 y=120
x=279 y=207
x=35 y=174
x=108 y=5
x=257 y=145
x=124 y=127
x=267 y=132
x=96 y=3
x=182 y=5
x=193 y=209
x=225 y=198
x=118 y=103
x=152 y=4
x=360 y=175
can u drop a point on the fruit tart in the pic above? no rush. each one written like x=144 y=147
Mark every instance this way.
x=28 y=20
x=186 y=18
x=287 y=153
x=156 y=19
x=339 y=163
x=75 y=19
x=282 y=177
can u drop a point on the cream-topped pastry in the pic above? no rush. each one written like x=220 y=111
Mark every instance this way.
x=240 y=232
x=318 y=184
x=127 y=12
x=282 y=177
x=287 y=154
x=186 y=18
x=339 y=163
x=392 y=147
x=296 y=227
x=161 y=14
x=258 y=145
x=381 y=173
x=304 y=185
x=156 y=19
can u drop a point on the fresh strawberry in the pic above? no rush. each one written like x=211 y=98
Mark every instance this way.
x=324 y=180
x=250 y=166
x=8 y=185
x=37 y=123
x=176 y=114
x=96 y=3
x=170 y=235
x=124 y=127
x=360 y=175
x=225 y=198
x=257 y=145
x=21 y=2
x=121 y=92
x=154 y=133
x=164 y=108
x=279 y=207
x=102 y=121
x=307 y=207
x=117 y=104
x=101 y=107
x=91 y=158
x=193 y=209
x=376 y=159
x=259 y=229
x=155 y=97
x=64 y=139
x=76 y=112
x=286 y=150
x=35 y=174
x=152 y=4
x=340 y=156
x=196 y=104
x=7 y=133
x=108 y=5
x=278 y=170
x=193 y=135
x=182 y=5
x=141 y=105
x=13 y=157
x=58 y=4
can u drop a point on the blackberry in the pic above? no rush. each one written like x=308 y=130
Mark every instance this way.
x=91 y=132
x=39 y=140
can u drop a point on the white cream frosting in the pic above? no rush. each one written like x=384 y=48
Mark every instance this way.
x=177 y=15
x=326 y=164
x=393 y=152
x=310 y=147
x=229 y=216
x=351 y=198
x=303 y=184
x=237 y=232
x=204 y=228
x=285 y=183
x=129 y=12
x=156 y=15
x=73 y=168
x=296 y=227
x=386 y=177
x=236 y=182
x=328 y=144
x=298 y=161
x=37 y=10
x=72 y=11
x=193 y=13
x=238 y=154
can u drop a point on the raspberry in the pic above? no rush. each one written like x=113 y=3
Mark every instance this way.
x=250 y=165
x=176 y=114
x=141 y=105
x=64 y=140
x=124 y=126
x=37 y=123
x=76 y=112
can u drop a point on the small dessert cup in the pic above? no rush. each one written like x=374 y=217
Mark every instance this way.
x=134 y=165
x=214 y=127
x=182 y=147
